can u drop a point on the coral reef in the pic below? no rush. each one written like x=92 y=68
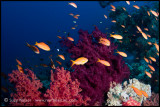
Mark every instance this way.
x=26 y=89
x=131 y=102
x=118 y=94
x=95 y=77
x=134 y=43
x=152 y=101
x=64 y=91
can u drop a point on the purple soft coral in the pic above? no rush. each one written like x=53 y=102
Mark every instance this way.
x=93 y=76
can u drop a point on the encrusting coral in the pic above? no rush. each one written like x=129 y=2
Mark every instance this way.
x=95 y=77
x=63 y=91
x=118 y=94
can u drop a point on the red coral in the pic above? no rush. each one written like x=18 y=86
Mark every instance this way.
x=94 y=77
x=152 y=101
x=27 y=89
x=63 y=91
x=131 y=102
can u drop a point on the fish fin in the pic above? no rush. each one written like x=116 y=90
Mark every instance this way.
x=36 y=43
x=117 y=51
x=73 y=62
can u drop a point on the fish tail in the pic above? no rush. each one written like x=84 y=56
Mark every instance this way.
x=27 y=44
x=111 y=35
x=73 y=62
x=117 y=51
x=98 y=60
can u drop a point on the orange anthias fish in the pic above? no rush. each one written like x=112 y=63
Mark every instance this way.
x=152 y=68
x=106 y=63
x=128 y=2
x=122 y=53
x=113 y=6
x=34 y=48
x=135 y=6
x=139 y=29
x=113 y=10
x=123 y=26
x=116 y=36
x=20 y=69
x=149 y=43
x=43 y=46
x=148 y=13
x=114 y=21
x=18 y=62
x=79 y=61
x=154 y=13
x=104 y=41
x=105 y=16
x=70 y=38
x=124 y=8
x=137 y=91
x=146 y=60
x=62 y=57
x=146 y=29
x=73 y=4
x=150 y=61
x=144 y=35
x=59 y=37
x=148 y=74
x=73 y=28
x=149 y=36
x=157 y=46
x=76 y=17
x=59 y=62
x=144 y=93
x=52 y=64
x=153 y=59
x=71 y=14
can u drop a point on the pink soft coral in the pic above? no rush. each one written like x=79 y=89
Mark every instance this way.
x=131 y=102
x=27 y=89
x=63 y=91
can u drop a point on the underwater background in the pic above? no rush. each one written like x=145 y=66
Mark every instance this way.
x=29 y=22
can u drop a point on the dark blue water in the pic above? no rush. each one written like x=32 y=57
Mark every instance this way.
x=40 y=21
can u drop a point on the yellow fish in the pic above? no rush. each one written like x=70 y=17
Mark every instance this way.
x=106 y=63
x=105 y=16
x=79 y=61
x=154 y=13
x=144 y=35
x=73 y=4
x=18 y=62
x=43 y=46
x=139 y=29
x=116 y=36
x=112 y=6
x=144 y=93
x=137 y=91
x=153 y=59
x=62 y=57
x=128 y=2
x=157 y=46
x=122 y=53
x=146 y=60
x=152 y=68
x=148 y=74
x=123 y=26
x=135 y=6
x=70 y=38
x=114 y=21
x=34 y=48
x=20 y=69
x=104 y=41
x=148 y=13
